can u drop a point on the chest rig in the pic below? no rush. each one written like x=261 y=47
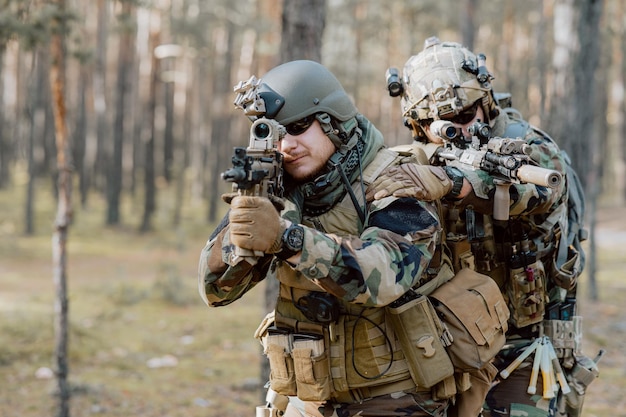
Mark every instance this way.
x=322 y=348
x=517 y=253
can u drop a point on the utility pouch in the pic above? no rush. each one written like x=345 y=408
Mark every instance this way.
x=420 y=332
x=562 y=334
x=445 y=389
x=565 y=275
x=312 y=368
x=566 y=338
x=526 y=292
x=583 y=373
x=461 y=253
x=475 y=313
x=282 y=373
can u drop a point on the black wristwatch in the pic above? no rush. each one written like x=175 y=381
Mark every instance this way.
x=292 y=240
x=456 y=175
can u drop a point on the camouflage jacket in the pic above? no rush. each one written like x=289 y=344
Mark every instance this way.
x=370 y=265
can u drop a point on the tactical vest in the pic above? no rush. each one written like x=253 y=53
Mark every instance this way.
x=359 y=354
x=472 y=240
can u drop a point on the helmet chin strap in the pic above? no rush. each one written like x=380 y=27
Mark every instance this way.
x=340 y=166
x=341 y=134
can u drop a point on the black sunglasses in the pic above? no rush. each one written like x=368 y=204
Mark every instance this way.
x=466 y=115
x=300 y=126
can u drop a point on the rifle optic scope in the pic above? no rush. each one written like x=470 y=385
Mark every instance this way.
x=445 y=129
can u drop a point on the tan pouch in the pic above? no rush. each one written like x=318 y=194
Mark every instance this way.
x=282 y=374
x=445 y=389
x=312 y=370
x=472 y=307
x=563 y=335
x=372 y=354
x=419 y=331
x=337 y=352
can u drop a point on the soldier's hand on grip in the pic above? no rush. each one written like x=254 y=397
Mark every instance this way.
x=255 y=224
x=423 y=182
x=228 y=197
x=279 y=203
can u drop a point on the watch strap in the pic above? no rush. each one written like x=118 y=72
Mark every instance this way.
x=288 y=250
x=457 y=177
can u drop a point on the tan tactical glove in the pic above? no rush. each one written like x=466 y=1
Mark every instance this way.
x=424 y=182
x=278 y=202
x=255 y=224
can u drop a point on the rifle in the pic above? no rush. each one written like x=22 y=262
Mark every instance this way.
x=506 y=159
x=258 y=169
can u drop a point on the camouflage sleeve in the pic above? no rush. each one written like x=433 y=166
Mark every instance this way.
x=381 y=264
x=223 y=279
x=526 y=198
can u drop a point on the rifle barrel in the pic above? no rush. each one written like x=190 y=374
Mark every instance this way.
x=539 y=176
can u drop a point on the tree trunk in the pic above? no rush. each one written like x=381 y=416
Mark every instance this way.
x=64 y=210
x=37 y=113
x=585 y=86
x=80 y=136
x=168 y=133
x=542 y=61
x=201 y=130
x=5 y=148
x=221 y=118
x=124 y=65
x=468 y=10
x=303 y=27
x=621 y=133
x=102 y=152
x=575 y=58
x=149 y=172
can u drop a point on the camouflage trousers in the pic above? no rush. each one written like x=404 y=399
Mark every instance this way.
x=508 y=397
x=392 y=405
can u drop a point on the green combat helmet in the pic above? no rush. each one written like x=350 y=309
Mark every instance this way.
x=441 y=82
x=298 y=89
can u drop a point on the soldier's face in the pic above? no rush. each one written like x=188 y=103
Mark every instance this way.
x=480 y=115
x=307 y=153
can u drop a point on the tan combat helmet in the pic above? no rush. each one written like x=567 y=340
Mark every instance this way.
x=441 y=82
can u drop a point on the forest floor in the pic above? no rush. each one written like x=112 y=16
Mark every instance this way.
x=143 y=343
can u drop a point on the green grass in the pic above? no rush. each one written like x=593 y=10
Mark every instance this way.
x=133 y=298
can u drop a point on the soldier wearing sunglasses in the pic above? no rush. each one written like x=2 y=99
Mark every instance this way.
x=340 y=260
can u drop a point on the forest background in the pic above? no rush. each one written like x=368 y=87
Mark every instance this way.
x=151 y=125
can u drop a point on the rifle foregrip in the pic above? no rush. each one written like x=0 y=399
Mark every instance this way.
x=539 y=176
x=501 y=201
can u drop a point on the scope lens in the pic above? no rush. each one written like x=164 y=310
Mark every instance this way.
x=485 y=131
x=262 y=130
x=450 y=132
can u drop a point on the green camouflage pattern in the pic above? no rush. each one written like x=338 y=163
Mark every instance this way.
x=386 y=264
x=371 y=269
x=508 y=397
x=391 y=405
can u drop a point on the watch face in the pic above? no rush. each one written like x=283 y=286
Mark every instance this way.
x=295 y=238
